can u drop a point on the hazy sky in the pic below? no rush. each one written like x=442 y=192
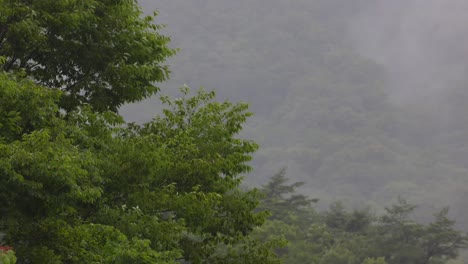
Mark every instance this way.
x=416 y=40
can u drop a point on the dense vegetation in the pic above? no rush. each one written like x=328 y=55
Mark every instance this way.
x=99 y=52
x=79 y=184
x=338 y=236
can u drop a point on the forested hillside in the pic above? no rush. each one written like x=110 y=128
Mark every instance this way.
x=342 y=94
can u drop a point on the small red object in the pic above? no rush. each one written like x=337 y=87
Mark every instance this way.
x=5 y=248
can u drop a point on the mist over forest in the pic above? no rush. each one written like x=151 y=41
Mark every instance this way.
x=362 y=100
x=226 y=132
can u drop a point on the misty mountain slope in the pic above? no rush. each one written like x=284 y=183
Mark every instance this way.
x=342 y=95
x=246 y=48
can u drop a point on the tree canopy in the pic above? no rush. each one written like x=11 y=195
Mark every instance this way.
x=338 y=235
x=78 y=184
x=102 y=53
x=90 y=188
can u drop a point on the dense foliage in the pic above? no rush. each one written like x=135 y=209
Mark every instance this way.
x=99 y=52
x=87 y=188
x=77 y=183
x=338 y=236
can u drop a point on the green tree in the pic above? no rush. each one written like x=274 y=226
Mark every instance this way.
x=338 y=235
x=89 y=188
x=294 y=218
x=336 y=217
x=374 y=261
x=440 y=240
x=402 y=240
x=338 y=255
x=100 y=52
x=283 y=200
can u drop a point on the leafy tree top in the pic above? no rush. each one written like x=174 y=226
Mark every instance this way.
x=90 y=189
x=283 y=200
x=100 y=52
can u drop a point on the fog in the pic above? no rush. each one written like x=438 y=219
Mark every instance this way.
x=422 y=47
x=363 y=100
x=421 y=44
